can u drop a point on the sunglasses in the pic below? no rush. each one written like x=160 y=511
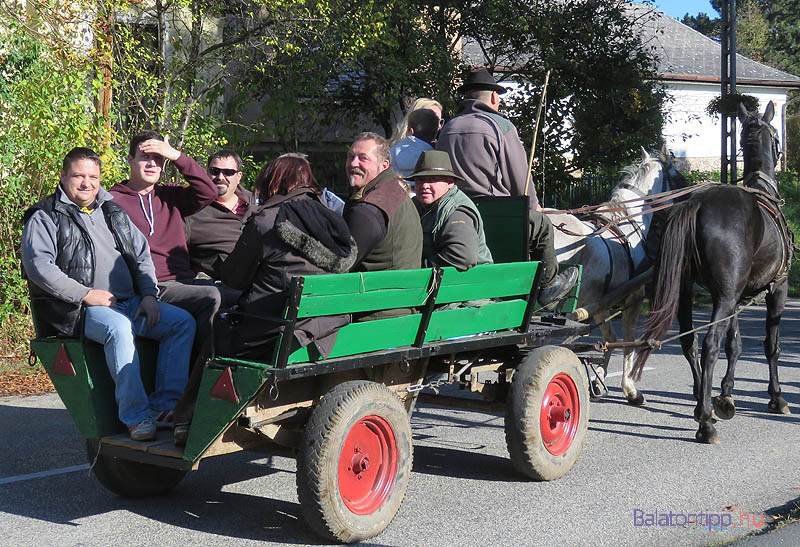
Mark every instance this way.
x=214 y=171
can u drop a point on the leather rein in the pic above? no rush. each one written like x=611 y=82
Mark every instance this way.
x=662 y=200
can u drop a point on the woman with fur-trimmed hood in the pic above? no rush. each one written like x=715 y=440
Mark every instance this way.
x=292 y=233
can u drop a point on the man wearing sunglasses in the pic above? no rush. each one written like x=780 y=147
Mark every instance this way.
x=212 y=233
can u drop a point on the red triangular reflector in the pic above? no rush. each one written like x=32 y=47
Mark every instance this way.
x=62 y=364
x=224 y=388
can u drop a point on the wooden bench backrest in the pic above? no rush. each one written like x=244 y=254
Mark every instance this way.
x=333 y=294
x=371 y=291
x=506 y=226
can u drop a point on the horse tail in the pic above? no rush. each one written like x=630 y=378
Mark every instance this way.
x=677 y=252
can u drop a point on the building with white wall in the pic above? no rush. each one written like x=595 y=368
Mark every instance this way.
x=689 y=68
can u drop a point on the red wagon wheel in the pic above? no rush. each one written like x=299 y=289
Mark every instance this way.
x=367 y=465
x=560 y=414
x=354 y=461
x=547 y=413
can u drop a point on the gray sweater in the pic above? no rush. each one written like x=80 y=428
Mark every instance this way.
x=486 y=151
x=111 y=273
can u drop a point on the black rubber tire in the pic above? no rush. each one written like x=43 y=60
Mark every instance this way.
x=131 y=479
x=524 y=437
x=318 y=488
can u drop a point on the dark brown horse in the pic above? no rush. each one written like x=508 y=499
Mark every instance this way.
x=733 y=241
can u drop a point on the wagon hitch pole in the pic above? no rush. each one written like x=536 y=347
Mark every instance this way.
x=612 y=298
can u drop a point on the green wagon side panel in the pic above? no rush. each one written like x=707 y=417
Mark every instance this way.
x=467 y=321
x=488 y=281
x=89 y=395
x=352 y=293
x=212 y=416
x=369 y=336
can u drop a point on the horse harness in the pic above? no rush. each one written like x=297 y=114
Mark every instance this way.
x=762 y=186
x=604 y=223
x=603 y=219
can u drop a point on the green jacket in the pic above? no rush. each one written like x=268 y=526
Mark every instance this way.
x=452 y=231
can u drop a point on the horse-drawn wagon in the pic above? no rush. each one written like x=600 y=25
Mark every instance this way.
x=346 y=418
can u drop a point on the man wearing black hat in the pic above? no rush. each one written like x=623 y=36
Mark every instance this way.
x=486 y=152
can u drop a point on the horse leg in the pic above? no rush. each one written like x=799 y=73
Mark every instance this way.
x=724 y=406
x=776 y=301
x=630 y=317
x=598 y=386
x=723 y=307
x=689 y=341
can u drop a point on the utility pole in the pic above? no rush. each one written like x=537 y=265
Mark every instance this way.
x=728 y=87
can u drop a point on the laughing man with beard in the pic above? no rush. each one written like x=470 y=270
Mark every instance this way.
x=381 y=217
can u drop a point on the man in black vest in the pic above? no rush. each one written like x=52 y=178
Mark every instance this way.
x=90 y=272
x=381 y=217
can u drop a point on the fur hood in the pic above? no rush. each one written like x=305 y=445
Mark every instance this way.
x=314 y=251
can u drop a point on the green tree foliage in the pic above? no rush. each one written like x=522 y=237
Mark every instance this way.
x=215 y=73
x=703 y=24
x=603 y=102
x=44 y=110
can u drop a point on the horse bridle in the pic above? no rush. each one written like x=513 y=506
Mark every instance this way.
x=761 y=125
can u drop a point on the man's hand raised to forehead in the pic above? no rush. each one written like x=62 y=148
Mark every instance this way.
x=160 y=148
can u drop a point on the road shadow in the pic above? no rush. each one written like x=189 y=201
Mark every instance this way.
x=202 y=502
x=442 y=461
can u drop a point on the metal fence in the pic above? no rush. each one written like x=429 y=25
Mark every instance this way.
x=590 y=189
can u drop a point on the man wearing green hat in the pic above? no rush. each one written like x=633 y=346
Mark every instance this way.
x=452 y=228
x=487 y=154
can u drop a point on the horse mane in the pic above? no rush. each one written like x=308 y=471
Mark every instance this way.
x=635 y=175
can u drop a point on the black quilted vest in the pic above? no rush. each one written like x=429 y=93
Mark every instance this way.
x=75 y=257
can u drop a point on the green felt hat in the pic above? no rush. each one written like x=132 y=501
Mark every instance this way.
x=436 y=163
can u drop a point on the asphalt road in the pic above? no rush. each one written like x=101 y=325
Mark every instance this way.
x=635 y=462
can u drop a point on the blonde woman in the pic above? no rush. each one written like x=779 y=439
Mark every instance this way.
x=401 y=131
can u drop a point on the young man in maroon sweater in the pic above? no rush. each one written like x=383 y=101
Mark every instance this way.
x=158 y=211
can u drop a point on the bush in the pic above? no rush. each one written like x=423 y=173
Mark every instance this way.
x=793 y=143
x=790 y=192
x=45 y=110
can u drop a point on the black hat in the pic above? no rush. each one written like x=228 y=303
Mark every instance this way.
x=479 y=78
x=436 y=163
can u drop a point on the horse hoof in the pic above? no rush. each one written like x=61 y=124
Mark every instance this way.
x=707 y=436
x=597 y=391
x=724 y=407
x=697 y=416
x=778 y=406
x=637 y=401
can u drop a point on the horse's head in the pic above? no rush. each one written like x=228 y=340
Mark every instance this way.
x=759 y=141
x=673 y=179
x=654 y=174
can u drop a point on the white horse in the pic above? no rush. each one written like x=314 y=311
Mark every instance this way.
x=612 y=258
